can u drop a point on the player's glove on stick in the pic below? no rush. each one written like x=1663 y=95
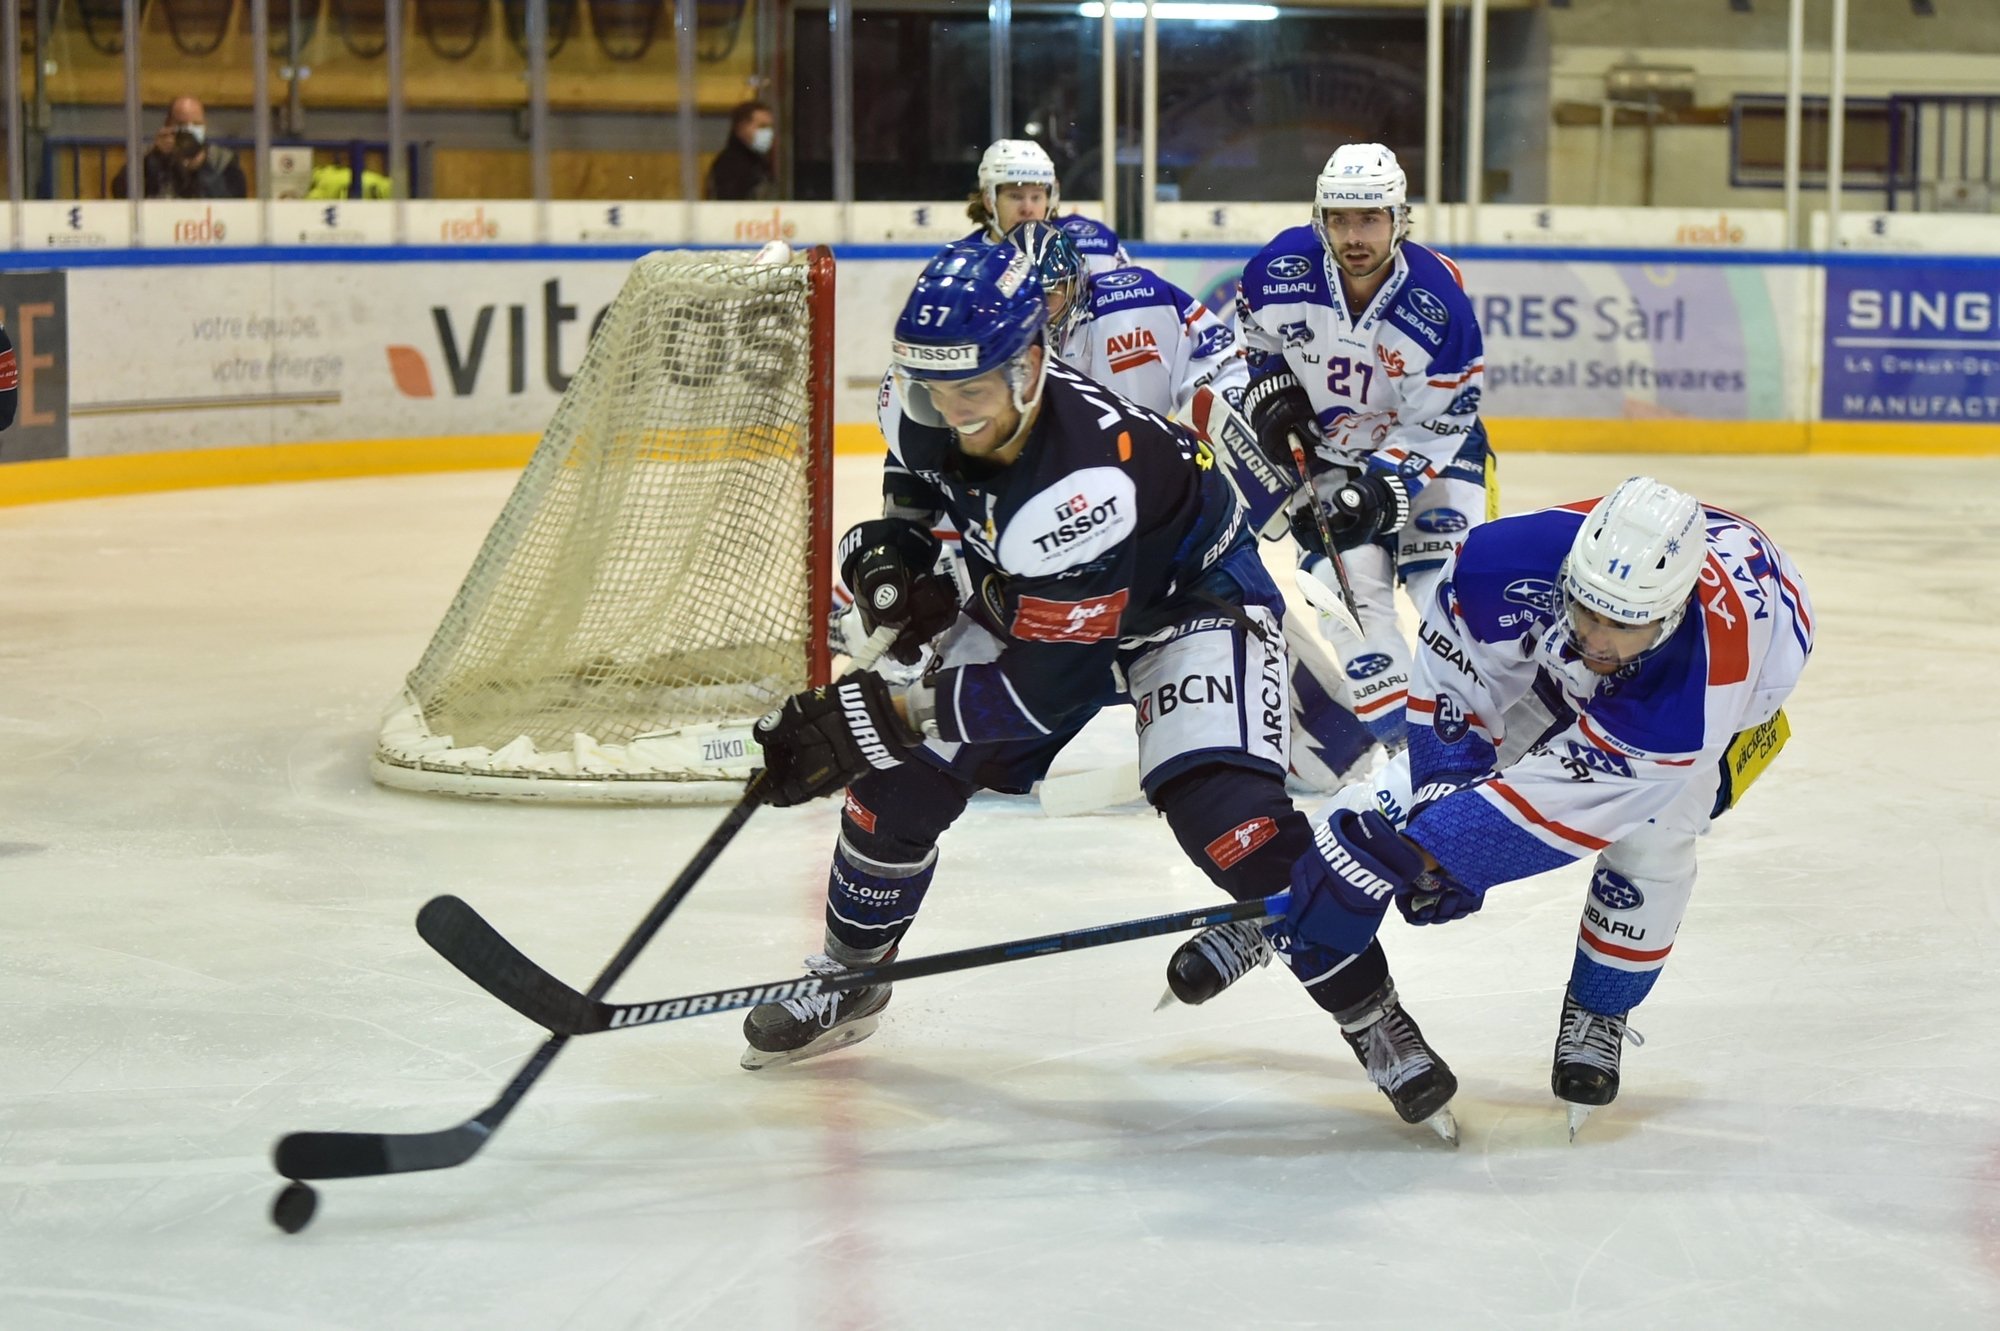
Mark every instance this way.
x=1342 y=887
x=1281 y=414
x=825 y=739
x=889 y=564
x=1372 y=504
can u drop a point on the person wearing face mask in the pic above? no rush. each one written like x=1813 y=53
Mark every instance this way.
x=183 y=164
x=742 y=170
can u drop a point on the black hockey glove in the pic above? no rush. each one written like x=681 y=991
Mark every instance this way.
x=1280 y=412
x=823 y=740
x=1370 y=505
x=890 y=566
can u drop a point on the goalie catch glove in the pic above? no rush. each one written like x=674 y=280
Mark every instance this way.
x=890 y=566
x=1372 y=504
x=1282 y=415
x=825 y=739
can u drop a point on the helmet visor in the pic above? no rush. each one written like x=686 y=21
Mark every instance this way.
x=1602 y=641
x=954 y=404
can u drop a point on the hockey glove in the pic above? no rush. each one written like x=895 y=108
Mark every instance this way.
x=1359 y=510
x=1438 y=898
x=1341 y=888
x=889 y=564
x=1282 y=415
x=822 y=741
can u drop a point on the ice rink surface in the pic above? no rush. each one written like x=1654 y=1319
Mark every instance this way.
x=207 y=942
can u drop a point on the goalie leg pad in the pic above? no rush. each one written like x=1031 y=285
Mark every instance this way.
x=1329 y=743
x=1378 y=665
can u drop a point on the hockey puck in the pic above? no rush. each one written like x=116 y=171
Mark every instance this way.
x=292 y=1209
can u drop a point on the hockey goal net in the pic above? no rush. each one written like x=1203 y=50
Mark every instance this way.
x=659 y=576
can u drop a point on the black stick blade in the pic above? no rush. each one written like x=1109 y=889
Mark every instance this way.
x=324 y=1155
x=461 y=935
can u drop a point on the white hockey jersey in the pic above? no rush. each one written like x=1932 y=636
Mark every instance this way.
x=1622 y=747
x=1150 y=342
x=1396 y=387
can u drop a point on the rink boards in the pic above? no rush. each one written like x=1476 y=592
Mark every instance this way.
x=159 y=369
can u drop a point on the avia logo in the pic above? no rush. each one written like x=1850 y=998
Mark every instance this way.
x=614 y=216
x=1129 y=351
x=75 y=219
x=203 y=231
x=465 y=357
x=331 y=217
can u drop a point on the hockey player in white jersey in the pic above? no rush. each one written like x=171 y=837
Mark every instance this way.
x=1154 y=344
x=1017 y=183
x=1111 y=562
x=1598 y=679
x=1364 y=353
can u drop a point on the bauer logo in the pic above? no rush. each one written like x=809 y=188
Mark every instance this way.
x=1127 y=278
x=1442 y=520
x=1429 y=306
x=922 y=356
x=1289 y=267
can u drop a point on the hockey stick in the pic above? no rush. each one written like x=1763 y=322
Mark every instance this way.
x=327 y=1155
x=1321 y=597
x=464 y=938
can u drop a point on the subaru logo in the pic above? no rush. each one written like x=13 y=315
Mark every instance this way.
x=1535 y=593
x=1125 y=277
x=1368 y=664
x=1442 y=520
x=1288 y=267
x=1296 y=334
x=1429 y=306
x=1615 y=891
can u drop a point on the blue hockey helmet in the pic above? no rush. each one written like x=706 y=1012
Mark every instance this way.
x=1060 y=267
x=977 y=308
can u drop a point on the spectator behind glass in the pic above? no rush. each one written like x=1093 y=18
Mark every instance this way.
x=183 y=164
x=742 y=170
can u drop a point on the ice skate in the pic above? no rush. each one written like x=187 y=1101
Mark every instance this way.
x=1401 y=1062
x=1214 y=959
x=1585 y=1070
x=798 y=1028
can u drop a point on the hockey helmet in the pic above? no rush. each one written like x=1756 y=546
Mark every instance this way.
x=977 y=308
x=1634 y=563
x=1060 y=268
x=1016 y=162
x=1361 y=176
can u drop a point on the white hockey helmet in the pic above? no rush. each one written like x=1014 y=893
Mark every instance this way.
x=1636 y=559
x=1016 y=162
x=1360 y=176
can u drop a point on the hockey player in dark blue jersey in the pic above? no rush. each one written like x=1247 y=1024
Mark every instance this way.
x=1109 y=561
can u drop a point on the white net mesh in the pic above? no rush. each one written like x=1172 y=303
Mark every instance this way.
x=647 y=589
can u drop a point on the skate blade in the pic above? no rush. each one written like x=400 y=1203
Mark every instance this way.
x=755 y=1059
x=1167 y=1000
x=1445 y=1124
x=1577 y=1114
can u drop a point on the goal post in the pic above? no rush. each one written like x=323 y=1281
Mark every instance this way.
x=660 y=575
